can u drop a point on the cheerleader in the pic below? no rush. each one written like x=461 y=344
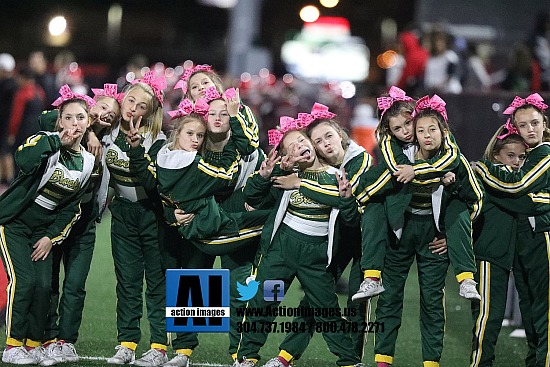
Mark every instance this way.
x=39 y=210
x=200 y=81
x=76 y=251
x=494 y=246
x=418 y=206
x=187 y=184
x=531 y=263
x=333 y=146
x=459 y=213
x=134 y=230
x=297 y=241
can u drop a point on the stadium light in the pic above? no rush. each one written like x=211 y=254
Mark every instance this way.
x=57 y=25
x=329 y=3
x=309 y=14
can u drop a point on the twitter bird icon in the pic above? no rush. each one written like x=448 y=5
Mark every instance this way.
x=248 y=291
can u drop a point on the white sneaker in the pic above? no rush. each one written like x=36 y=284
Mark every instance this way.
x=68 y=351
x=41 y=358
x=122 y=356
x=274 y=362
x=53 y=350
x=245 y=363
x=518 y=333
x=468 y=290
x=17 y=355
x=180 y=360
x=152 y=358
x=368 y=288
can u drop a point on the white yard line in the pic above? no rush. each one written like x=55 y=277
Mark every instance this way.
x=91 y=358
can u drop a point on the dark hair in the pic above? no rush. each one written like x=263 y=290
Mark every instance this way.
x=73 y=100
x=546 y=132
x=429 y=113
x=64 y=104
x=397 y=108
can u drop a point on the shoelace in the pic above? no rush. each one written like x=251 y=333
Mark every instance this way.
x=152 y=354
x=21 y=352
x=121 y=351
x=70 y=346
x=38 y=353
x=371 y=285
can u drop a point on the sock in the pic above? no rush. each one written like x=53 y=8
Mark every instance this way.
x=283 y=361
x=383 y=364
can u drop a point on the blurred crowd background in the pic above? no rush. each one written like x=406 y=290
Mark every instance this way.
x=283 y=55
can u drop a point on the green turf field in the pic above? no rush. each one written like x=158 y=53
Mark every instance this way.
x=98 y=332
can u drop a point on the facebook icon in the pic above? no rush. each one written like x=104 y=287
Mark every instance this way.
x=274 y=290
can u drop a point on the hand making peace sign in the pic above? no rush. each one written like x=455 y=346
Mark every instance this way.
x=133 y=137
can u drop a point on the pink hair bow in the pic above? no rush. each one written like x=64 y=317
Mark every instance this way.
x=395 y=94
x=66 y=93
x=320 y=111
x=157 y=84
x=510 y=130
x=435 y=103
x=212 y=93
x=186 y=107
x=109 y=90
x=303 y=120
x=182 y=83
x=534 y=99
x=286 y=123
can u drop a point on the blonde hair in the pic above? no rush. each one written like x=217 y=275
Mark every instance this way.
x=153 y=117
x=117 y=105
x=179 y=123
x=495 y=144
x=214 y=77
x=100 y=98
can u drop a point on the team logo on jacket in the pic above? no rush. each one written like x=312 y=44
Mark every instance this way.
x=58 y=178
x=112 y=160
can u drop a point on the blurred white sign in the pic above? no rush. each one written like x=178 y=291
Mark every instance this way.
x=219 y=3
x=326 y=51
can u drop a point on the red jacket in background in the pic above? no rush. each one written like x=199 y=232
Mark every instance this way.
x=415 y=60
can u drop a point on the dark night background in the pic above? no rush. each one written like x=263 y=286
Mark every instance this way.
x=173 y=31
